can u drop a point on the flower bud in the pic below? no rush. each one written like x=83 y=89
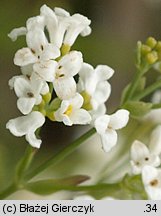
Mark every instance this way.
x=151 y=42
x=145 y=49
x=152 y=57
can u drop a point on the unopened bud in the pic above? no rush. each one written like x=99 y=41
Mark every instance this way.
x=151 y=42
x=158 y=46
x=145 y=49
x=152 y=57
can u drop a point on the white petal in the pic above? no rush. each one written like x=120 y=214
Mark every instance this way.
x=15 y=33
x=155 y=141
x=22 y=86
x=78 y=23
x=70 y=64
x=59 y=114
x=46 y=70
x=24 y=57
x=61 y=12
x=67 y=121
x=87 y=79
x=34 y=142
x=101 y=110
x=102 y=92
x=139 y=151
x=104 y=72
x=81 y=117
x=109 y=140
x=56 y=23
x=101 y=124
x=25 y=124
x=36 y=84
x=86 y=31
x=50 y=52
x=35 y=22
x=119 y=119
x=25 y=105
x=36 y=40
x=27 y=69
x=45 y=89
x=65 y=88
x=17 y=126
x=12 y=81
x=150 y=174
x=76 y=101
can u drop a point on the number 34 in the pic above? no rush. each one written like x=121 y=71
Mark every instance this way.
x=151 y=208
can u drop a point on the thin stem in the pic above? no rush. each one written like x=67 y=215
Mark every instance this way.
x=61 y=155
x=133 y=86
x=148 y=90
x=24 y=164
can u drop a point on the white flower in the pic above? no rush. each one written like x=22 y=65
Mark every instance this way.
x=141 y=156
x=68 y=66
x=107 y=125
x=93 y=82
x=29 y=92
x=151 y=178
x=38 y=51
x=78 y=24
x=27 y=125
x=64 y=28
x=70 y=112
x=56 y=23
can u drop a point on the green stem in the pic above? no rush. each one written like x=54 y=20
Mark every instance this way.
x=148 y=90
x=24 y=164
x=133 y=86
x=60 y=155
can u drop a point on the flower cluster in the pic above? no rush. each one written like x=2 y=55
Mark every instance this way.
x=144 y=161
x=49 y=67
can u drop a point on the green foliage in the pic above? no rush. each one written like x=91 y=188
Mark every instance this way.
x=50 y=186
x=138 y=108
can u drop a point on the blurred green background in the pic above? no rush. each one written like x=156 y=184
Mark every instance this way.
x=116 y=27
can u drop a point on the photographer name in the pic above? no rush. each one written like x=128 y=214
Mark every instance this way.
x=85 y=209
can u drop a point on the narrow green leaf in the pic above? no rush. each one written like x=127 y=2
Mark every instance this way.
x=138 y=108
x=49 y=186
